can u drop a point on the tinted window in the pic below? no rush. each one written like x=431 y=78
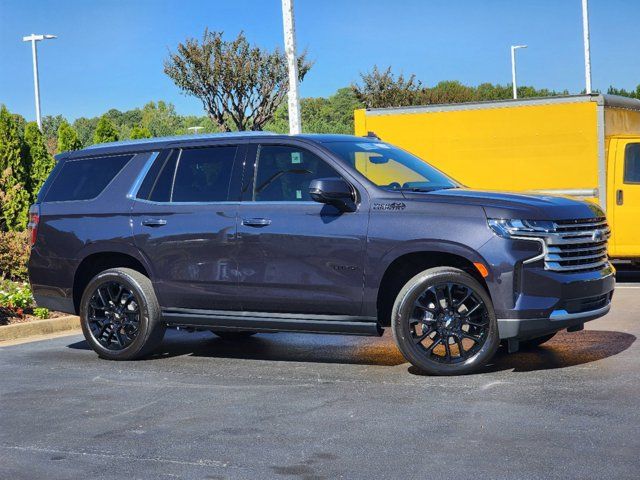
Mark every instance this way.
x=284 y=173
x=161 y=187
x=85 y=179
x=632 y=163
x=150 y=180
x=203 y=175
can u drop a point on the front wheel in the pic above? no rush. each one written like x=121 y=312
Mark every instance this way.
x=120 y=315
x=444 y=323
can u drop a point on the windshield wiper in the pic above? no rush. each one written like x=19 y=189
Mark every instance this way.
x=422 y=189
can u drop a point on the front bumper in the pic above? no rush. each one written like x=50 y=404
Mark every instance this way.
x=531 y=301
x=525 y=328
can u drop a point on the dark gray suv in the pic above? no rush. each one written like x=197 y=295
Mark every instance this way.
x=254 y=232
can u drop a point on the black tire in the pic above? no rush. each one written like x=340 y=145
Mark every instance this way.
x=137 y=327
x=232 y=336
x=536 y=342
x=414 y=300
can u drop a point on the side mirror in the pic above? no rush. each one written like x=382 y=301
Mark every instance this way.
x=333 y=191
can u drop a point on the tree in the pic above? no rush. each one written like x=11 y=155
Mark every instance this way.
x=14 y=196
x=105 y=131
x=321 y=115
x=50 y=126
x=240 y=86
x=86 y=128
x=40 y=162
x=383 y=89
x=160 y=119
x=67 y=138
x=139 y=132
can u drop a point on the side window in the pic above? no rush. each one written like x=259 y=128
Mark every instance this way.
x=85 y=179
x=203 y=174
x=283 y=174
x=161 y=187
x=632 y=163
x=150 y=179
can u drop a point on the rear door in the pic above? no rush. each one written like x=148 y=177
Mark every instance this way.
x=626 y=202
x=296 y=255
x=185 y=224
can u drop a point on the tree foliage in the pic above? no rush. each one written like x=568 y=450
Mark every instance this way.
x=40 y=161
x=14 y=196
x=379 y=89
x=240 y=86
x=385 y=89
x=68 y=138
x=625 y=93
x=105 y=131
x=321 y=115
x=138 y=132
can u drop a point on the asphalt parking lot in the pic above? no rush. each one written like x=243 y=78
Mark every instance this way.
x=324 y=407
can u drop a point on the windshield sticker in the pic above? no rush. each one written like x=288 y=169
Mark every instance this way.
x=295 y=157
x=373 y=146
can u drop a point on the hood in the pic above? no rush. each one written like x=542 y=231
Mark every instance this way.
x=513 y=205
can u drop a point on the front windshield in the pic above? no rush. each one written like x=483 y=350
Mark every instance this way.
x=390 y=167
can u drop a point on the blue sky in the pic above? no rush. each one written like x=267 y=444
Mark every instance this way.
x=109 y=53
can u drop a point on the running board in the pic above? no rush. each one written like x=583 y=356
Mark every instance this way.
x=271 y=322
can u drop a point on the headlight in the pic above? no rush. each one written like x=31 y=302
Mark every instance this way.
x=520 y=228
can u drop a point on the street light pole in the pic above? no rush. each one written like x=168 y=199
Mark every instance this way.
x=295 y=126
x=587 y=53
x=513 y=68
x=33 y=38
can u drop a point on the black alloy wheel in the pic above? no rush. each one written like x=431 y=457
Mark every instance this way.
x=120 y=315
x=114 y=315
x=450 y=322
x=444 y=323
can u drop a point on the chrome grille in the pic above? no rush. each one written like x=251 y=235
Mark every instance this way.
x=577 y=245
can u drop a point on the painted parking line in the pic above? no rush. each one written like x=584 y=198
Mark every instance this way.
x=626 y=286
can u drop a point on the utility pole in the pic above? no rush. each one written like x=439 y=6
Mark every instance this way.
x=513 y=68
x=33 y=38
x=587 y=49
x=288 y=21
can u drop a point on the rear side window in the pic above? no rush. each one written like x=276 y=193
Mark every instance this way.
x=86 y=178
x=203 y=174
x=632 y=163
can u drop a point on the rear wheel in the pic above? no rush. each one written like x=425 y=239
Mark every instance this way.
x=120 y=315
x=536 y=342
x=233 y=336
x=443 y=322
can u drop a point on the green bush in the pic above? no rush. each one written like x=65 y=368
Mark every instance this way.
x=41 y=313
x=14 y=255
x=16 y=296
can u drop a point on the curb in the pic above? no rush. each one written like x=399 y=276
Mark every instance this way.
x=39 y=327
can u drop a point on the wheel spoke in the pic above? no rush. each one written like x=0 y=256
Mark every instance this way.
x=465 y=298
x=424 y=335
x=447 y=349
x=461 y=350
x=468 y=313
x=449 y=296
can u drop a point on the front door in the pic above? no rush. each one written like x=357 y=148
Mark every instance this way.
x=186 y=226
x=296 y=255
x=626 y=201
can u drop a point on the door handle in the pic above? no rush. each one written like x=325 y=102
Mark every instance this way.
x=619 y=197
x=154 y=222
x=256 y=222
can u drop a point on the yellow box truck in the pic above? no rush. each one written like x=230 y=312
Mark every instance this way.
x=587 y=146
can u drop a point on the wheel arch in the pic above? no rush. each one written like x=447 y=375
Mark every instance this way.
x=95 y=260
x=399 y=267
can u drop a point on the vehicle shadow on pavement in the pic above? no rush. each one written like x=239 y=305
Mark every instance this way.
x=279 y=347
x=564 y=350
